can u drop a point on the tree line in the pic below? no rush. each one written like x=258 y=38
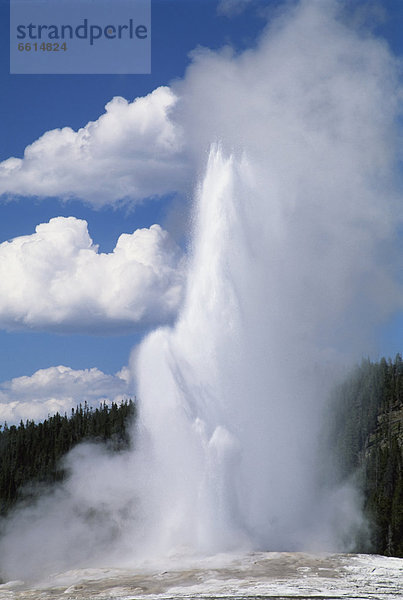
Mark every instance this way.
x=30 y=453
x=367 y=434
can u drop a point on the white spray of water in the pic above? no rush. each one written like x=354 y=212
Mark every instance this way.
x=287 y=270
x=232 y=397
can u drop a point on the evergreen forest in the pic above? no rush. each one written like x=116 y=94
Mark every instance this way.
x=30 y=453
x=367 y=434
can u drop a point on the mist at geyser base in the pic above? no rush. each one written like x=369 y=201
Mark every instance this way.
x=292 y=266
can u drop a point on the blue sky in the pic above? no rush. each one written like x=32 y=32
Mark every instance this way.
x=31 y=105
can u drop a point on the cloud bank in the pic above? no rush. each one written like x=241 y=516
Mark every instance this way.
x=59 y=389
x=132 y=151
x=56 y=280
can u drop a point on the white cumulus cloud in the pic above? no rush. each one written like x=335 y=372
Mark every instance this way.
x=56 y=280
x=132 y=151
x=59 y=389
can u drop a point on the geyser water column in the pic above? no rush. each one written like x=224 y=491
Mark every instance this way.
x=184 y=386
x=228 y=406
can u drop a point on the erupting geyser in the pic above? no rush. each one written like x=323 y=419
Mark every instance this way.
x=230 y=397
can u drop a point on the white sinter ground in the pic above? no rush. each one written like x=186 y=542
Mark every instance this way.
x=260 y=575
